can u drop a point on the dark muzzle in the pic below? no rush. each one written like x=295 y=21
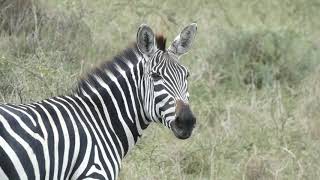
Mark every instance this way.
x=185 y=121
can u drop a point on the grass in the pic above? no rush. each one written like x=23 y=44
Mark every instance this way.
x=254 y=78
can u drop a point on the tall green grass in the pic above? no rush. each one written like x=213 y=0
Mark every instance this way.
x=254 y=78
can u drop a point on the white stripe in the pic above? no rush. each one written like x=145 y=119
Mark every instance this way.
x=31 y=119
x=114 y=101
x=174 y=85
x=25 y=146
x=76 y=138
x=14 y=159
x=106 y=113
x=31 y=105
x=115 y=80
x=3 y=175
x=23 y=125
x=23 y=106
x=44 y=143
x=95 y=134
x=117 y=163
x=86 y=157
x=105 y=128
x=55 y=143
x=137 y=85
x=66 y=137
x=97 y=161
x=130 y=86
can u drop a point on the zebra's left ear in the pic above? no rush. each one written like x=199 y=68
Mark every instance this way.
x=183 y=41
x=146 y=40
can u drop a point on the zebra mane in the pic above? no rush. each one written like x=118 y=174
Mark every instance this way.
x=121 y=60
x=161 y=41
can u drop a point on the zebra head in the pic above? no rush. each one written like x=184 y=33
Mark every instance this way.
x=164 y=85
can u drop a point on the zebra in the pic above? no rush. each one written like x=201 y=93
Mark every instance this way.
x=86 y=134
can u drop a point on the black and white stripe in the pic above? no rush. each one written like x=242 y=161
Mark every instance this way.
x=86 y=134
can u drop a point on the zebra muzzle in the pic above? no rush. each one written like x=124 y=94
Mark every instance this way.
x=184 y=122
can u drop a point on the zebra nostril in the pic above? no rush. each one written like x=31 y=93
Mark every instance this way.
x=179 y=122
x=194 y=120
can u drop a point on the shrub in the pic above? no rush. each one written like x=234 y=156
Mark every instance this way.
x=261 y=57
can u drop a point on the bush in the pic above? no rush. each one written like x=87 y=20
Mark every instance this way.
x=35 y=41
x=31 y=27
x=17 y=16
x=261 y=57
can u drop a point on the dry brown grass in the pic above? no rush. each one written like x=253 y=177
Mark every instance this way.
x=17 y=16
x=308 y=110
x=255 y=168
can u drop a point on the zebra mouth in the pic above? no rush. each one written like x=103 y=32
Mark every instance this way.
x=179 y=131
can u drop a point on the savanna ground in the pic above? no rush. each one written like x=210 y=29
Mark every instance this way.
x=255 y=78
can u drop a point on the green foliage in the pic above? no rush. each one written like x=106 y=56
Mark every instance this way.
x=262 y=57
x=254 y=81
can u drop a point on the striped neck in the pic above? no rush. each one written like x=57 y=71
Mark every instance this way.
x=113 y=92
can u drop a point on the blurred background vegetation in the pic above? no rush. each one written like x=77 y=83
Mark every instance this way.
x=255 y=78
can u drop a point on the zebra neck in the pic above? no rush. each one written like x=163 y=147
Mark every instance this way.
x=114 y=98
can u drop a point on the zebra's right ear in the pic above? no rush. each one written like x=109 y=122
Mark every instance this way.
x=146 y=40
x=184 y=40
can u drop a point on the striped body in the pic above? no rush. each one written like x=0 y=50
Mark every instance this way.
x=85 y=135
x=74 y=137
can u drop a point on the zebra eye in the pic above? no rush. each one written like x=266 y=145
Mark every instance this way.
x=156 y=76
x=188 y=74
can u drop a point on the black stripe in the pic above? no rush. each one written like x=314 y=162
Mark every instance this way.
x=71 y=132
x=50 y=138
x=94 y=140
x=117 y=126
x=15 y=145
x=6 y=163
x=82 y=134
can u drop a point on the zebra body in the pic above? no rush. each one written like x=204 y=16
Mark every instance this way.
x=85 y=135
